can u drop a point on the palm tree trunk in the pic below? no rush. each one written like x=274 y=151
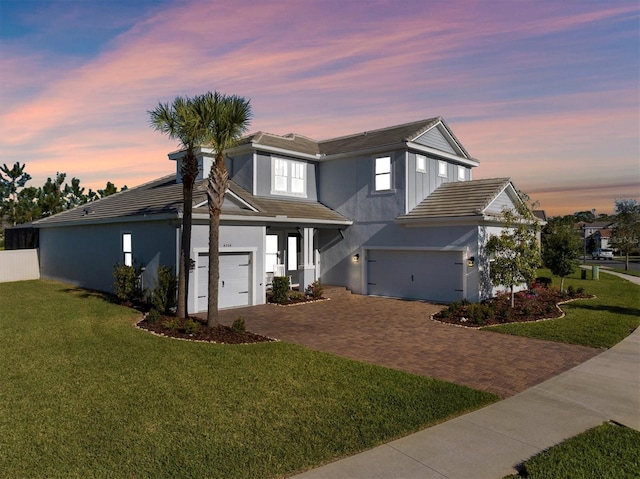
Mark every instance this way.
x=217 y=186
x=189 y=173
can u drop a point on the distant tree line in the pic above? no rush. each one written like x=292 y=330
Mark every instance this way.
x=23 y=204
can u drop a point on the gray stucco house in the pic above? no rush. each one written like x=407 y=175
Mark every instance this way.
x=392 y=212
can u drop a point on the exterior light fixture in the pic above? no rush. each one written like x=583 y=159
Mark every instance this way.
x=356 y=258
x=471 y=261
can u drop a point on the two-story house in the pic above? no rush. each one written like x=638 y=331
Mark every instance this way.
x=390 y=212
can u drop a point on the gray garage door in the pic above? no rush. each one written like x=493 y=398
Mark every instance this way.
x=429 y=275
x=234 y=285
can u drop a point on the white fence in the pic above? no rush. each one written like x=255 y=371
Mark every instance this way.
x=19 y=265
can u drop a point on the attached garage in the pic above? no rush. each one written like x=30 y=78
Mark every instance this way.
x=411 y=274
x=234 y=287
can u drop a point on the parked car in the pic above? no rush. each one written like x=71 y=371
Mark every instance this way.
x=602 y=254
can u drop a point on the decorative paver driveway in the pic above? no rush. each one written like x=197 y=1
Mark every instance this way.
x=399 y=334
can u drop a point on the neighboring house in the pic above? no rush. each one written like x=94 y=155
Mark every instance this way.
x=390 y=212
x=602 y=238
x=596 y=234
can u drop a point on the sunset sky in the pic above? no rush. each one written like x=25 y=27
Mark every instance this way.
x=545 y=92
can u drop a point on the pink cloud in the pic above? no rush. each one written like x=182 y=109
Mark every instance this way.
x=321 y=72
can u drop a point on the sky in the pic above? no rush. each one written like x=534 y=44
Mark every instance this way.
x=544 y=92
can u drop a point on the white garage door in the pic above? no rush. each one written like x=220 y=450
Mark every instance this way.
x=430 y=275
x=234 y=285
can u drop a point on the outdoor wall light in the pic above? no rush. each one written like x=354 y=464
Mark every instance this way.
x=356 y=258
x=471 y=261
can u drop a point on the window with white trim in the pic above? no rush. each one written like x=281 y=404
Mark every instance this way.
x=127 y=251
x=442 y=168
x=383 y=173
x=461 y=173
x=288 y=177
x=421 y=163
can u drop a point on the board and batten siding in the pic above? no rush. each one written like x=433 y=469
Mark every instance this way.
x=434 y=139
x=420 y=185
x=19 y=265
x=501 y=202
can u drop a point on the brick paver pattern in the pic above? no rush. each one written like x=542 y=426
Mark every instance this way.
x=400 y=334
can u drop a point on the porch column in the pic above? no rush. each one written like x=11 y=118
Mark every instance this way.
x=307 y=272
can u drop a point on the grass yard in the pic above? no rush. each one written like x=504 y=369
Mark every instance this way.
x=85 y=394
x=608 y=451
x=598 y=323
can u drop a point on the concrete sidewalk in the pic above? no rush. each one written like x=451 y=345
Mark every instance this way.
x=490 y=442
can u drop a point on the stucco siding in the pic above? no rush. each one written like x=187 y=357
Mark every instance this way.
x=232 y=239
x=241 y=171
x=263 y=177
x=85 y=256
x=346 y=185
x=339 y=268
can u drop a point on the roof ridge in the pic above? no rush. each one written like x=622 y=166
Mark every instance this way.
x=377 y=130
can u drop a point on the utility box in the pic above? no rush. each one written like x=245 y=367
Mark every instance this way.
x=595 y=272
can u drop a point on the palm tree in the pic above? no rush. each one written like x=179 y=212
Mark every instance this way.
x=181 y=121
x=228 y=117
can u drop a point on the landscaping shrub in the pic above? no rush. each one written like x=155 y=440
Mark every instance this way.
x=172 y=324
x=238 y=325
x=127 y=283
x=571 y=291
x=191 y=326
x=280 y=290
x=479 y=313
x=153 y=316
x=316 y=289
x=163 y=297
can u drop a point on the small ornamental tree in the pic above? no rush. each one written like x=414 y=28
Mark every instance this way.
x=560 y=250
x=626 y=232
x=515 y=252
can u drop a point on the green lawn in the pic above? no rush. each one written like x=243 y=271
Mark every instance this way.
x=608 y=451
x=598 y=323
x=85 y=394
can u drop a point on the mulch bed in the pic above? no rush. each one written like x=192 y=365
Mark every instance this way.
x=532 y=305
x=177 y=328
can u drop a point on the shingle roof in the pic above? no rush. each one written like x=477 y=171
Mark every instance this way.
x=367 y=139
x=290 y=208
x=161 y=196
x=164 y=197
x=290 y=141
x=375 y=138
x=458 y=199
